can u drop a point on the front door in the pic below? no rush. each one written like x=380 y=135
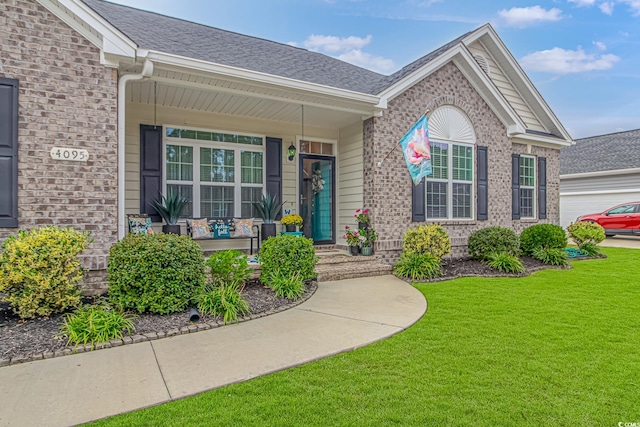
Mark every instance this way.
x=317 y=197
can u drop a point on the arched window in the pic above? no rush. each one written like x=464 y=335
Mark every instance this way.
x=449 y=189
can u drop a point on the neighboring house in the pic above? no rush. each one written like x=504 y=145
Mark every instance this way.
x=599 y=172
x=161 y=103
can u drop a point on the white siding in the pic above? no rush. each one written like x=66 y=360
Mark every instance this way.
x=508 y=90
x=580 y=196
x=350 y=176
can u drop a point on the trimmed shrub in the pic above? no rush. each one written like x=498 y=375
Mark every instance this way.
x=156 y=273
x=545 y=236
x=40 y=270
x=290 y=287
x=586 y=232
x=491 y=240
x=551 y=256
x=287 y=255
x=591 y=249
x=93 y=324
x=417 y=266
x=225 y=301
x=228 y=266
x=505 y=262
x=429 y=239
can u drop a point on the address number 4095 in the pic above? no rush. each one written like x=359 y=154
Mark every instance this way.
x=60 y=153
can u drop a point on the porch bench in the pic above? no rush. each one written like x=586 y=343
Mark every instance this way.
x=197 y=233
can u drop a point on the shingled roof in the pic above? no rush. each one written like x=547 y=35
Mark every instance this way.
x=162 y=33
x=602 y=153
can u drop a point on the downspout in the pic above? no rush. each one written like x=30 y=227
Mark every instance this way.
x=147 y=71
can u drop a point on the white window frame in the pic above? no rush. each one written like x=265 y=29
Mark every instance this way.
x=196 y=182
x=529 y=187
x=450 y=181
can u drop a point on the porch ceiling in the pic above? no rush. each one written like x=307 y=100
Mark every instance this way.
x=225 y=96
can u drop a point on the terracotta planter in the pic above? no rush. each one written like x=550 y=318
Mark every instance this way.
x=367 y=250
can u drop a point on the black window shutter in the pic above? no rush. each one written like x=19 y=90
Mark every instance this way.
x=150 y=169
x=542 y=187
x=515 y=186
x=418 y=206
x=8 y=153
x=483 y=185
x=274 y=169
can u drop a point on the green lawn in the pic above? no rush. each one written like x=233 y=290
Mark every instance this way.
x=558 y=348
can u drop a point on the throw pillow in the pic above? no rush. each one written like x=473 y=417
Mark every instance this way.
x=199 y=228
x=221 y=229
x=244 y=227
x=140 y=225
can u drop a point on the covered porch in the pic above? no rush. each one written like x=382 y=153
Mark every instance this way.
x=222 y=140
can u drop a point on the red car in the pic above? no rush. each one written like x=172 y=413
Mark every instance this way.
x=621 y=219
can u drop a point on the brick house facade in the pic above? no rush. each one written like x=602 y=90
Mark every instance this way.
x=72 y=60
x=67 y=98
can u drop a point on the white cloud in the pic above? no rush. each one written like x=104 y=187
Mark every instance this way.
x=634 y=5
x=561 y=61
x=526 y=16
x=349 y=49
x=583 y=3
x=368 y=61
x=606 y=7
x=600 y=45
x=333 y=44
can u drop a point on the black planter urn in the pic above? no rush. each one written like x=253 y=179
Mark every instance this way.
x=290 y=227
x=355 y=250
x=267 y=230
x=173 y=229
x=363 y=225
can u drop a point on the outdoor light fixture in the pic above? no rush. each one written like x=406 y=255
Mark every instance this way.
x=292 y=152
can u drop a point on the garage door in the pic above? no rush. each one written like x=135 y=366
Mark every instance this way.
x=572 y=206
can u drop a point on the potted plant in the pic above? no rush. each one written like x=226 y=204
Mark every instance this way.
x=291 y=221
x=363 y=218
x=369 y=235
x=354 y=239
x=268 y=209
x=170 y=208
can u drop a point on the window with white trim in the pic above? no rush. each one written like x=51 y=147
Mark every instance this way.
x=450 y=186
x=221 y=174
x=527 y=187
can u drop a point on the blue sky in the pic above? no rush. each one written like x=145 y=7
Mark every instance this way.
x=582 y=55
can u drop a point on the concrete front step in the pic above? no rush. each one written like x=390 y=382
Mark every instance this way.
x=343 y=266
x=351 y=269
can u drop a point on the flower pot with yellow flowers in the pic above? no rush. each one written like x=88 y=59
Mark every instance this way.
x=291 y=221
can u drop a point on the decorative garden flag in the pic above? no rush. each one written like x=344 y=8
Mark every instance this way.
x=416 y=149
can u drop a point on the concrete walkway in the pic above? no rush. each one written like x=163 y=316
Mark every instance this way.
x=341 y=316
x=631 y=242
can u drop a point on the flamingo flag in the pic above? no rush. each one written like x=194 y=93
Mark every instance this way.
x=416 y=149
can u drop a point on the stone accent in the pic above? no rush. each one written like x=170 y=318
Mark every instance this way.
x=387 y=190
x=67 y=99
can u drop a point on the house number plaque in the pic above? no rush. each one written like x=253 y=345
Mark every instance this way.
x=61 y=153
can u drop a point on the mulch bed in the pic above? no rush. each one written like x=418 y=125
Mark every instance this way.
x=29 y=340
x=22 y=341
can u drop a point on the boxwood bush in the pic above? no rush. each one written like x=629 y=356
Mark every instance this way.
x=429 y=239
x=487 y=241
x=156 y=273
x=542 y=236
x=586 y=232
x=287 y=256
x=40 y=270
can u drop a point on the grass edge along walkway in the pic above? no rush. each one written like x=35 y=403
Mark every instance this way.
x=559 y=347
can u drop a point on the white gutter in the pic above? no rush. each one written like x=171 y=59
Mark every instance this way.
x=600 y=173
x=147 y=71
